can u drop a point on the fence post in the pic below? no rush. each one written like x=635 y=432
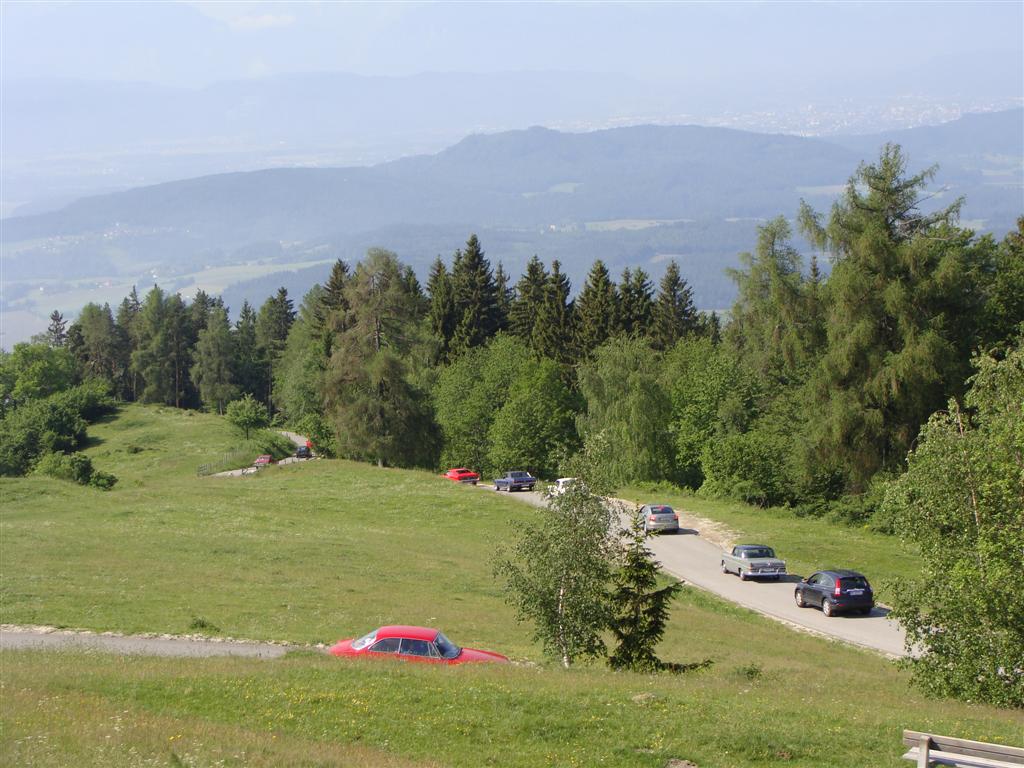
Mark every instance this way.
x=923 y=748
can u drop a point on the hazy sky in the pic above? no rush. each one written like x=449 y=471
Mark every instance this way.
x=195 y=43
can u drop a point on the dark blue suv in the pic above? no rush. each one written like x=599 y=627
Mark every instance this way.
x=835 y=591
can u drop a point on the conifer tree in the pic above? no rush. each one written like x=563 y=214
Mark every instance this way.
x=442 y=307
x=674 y=315
x=597 y=310
x=636 y=302
x=128 y=330
x=640 y=610
x=552 y=332
x=250 y=368
x=504 y=297
x=272 y=324
x=529 y=297
x=902 y=293
x=214 y=354
x=476 y=298
x=56 y=332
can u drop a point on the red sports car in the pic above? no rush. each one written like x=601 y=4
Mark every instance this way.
x=412 y=644
x=462 y=475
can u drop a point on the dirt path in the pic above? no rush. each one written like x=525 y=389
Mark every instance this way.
x=14 y=637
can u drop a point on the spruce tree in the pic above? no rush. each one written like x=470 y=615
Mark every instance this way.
x=552 y=332
x=529 y=297
x=56 y=332
x=250 y=367
x=442 y=307
x=636 y=303
x=504 y=297
x=476 y=298
x=640 y=610
x=214 y=354
x=597 y=310
x=128 y=330
x=674 y=313
x=272 y=324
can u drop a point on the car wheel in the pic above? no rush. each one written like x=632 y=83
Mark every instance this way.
x=799 y=597
x=827 y=607
x=724 y=569
x=741 y=574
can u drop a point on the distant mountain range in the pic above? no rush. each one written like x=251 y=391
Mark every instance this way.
x=632 y=196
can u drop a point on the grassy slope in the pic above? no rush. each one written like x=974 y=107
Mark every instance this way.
x=807 y=544
x=326 y=549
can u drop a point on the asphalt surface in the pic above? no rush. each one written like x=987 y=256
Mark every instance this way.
x=17 y=638
x=690 y=557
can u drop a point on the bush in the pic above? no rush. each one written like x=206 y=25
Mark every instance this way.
x=76 y=467
x=316 y=428
x=750 y=466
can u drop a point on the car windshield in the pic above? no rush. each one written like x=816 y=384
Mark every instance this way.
x=760 y=552
x=446 y=647
x=518 y=474
x=662 y=510
x=364 y=641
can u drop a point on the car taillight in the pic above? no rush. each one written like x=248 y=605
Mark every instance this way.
x=839 y=586
x=653 y=518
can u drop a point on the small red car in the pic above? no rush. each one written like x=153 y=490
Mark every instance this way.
x=264 y=460
x=463 y=475
x=412 y=644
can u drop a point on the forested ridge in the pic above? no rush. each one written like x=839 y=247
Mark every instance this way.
x=811 y=391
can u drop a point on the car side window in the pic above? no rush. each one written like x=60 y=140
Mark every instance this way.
x=815 y=579
x=387 y=645
x=415 y=647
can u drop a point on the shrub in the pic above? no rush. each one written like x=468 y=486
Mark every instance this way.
x=749 y=466
x=76 y=467
x=102 y=480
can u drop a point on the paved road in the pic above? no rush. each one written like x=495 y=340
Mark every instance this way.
x=12 y=638
x=689 y=556
x=298 y=439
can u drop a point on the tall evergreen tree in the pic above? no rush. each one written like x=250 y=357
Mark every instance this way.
x=56 y=331
x=442 y=307
x=272 y=324
x=379 y=413
x=213 y=362
x=476 y=298
x=674 y=315
x=504 y=295
x=529 y=297
x=99 y=347
x=552 y=331
x=162 y=356
x=128 y=330
x=250 y=366
x=903 y=285
x=636 y=302
x=597 y=310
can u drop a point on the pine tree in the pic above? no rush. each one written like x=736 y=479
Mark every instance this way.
x=674 y=313
x=529 y=297
x=162 y=356
x=476 y=298
x=56 y=332
x=213 y=362
x=128 y=330
x=442 y=307
x=552 y=332
x=636 y=302
x=640 y=609
x=596 y=310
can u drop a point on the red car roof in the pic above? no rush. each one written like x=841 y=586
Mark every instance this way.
x=402 y=630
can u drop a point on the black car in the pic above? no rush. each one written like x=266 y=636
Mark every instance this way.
x=303 y=452
x=835 y=591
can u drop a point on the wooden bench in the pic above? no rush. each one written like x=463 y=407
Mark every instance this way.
x=928 y=750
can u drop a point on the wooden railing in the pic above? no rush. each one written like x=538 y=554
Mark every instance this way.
x=930 y=750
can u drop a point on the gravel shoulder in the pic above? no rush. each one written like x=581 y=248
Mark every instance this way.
x=15 y=637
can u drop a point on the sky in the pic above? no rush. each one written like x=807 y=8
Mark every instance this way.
x=192 y=44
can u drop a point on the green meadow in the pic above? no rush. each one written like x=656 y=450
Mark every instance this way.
x=312 y=552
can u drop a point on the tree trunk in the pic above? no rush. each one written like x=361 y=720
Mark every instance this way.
x=566 y=661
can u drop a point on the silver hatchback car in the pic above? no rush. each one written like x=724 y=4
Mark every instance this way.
x=659 y=517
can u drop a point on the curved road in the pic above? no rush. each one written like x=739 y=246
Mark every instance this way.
x=48 y=638
x=693 y=559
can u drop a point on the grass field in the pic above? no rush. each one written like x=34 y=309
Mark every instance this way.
x=326 y=549
x=807 y=544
